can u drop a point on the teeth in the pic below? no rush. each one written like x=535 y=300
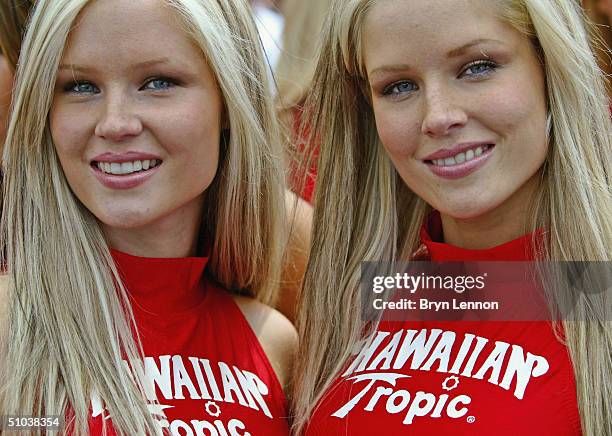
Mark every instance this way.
x=462 y=157
x=127 y=167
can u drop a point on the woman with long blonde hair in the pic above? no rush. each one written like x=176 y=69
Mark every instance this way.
x=143 y=183
x=456 y=130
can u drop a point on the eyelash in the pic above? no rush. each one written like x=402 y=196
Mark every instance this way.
x=171 y=83
x=491 y=67
x=71 y=87
x=389 y=90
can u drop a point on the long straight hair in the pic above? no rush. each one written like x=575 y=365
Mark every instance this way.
x=70 y=320
x=379 y=217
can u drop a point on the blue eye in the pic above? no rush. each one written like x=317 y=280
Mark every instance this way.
x=479 y=68
x=81 y=88
x=159 y=84
x=400 y=88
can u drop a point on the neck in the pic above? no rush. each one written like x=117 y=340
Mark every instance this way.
x=482 y=232
x=170 y=237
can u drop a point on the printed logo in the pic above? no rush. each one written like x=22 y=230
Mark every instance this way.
x=214 y=383
x=375 y=372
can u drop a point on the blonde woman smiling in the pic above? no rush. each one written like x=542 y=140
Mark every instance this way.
x=453 y=130
x=141 y=185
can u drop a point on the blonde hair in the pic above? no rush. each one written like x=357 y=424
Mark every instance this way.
x=603 y=34
x=68 y=330
x=303 y=25
x=379 y=217
x=304 y=21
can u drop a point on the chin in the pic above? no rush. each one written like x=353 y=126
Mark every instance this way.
x=125 y=219
x=466 y=209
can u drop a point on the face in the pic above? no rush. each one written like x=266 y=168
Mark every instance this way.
x=136 y=117
x=6 y=89
x=459 y=102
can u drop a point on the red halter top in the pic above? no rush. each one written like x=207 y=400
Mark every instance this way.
x=204 y=365
x=436 y=378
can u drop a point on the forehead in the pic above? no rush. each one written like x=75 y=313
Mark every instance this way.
x=125 y=29
x=424 y=12
x=421 y=28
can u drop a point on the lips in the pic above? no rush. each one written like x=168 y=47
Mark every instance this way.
x=459 y=161
x=444 y=153
x=460 y=157
x=128 y=156
x=124 y=170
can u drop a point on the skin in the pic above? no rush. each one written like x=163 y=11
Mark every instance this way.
x=134 y=81
x=171 y=108
x=296 y=257
x=478 y=80
x=6 y=88
x=605 y=7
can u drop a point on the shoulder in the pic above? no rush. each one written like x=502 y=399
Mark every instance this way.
x=299 y=218
x=275 y=333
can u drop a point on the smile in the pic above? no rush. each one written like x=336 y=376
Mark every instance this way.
x=461 y=157
x=461 y=161
x=126 y=174
x=125 y=168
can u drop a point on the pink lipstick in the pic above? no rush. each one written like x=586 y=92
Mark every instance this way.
x=124 y=170
x=460 y=160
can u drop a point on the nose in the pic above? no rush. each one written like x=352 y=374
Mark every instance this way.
x=119 y=120
x=442 y=114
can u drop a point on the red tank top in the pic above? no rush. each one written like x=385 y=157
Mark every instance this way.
x=203 y=363
x=455 y=377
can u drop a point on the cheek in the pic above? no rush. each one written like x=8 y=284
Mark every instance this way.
x=195 y=130
x=398 y=131
x=517 y=108
x=69 y=131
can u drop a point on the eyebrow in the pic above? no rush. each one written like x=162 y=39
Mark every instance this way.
x=85 y=69
x=456 y=52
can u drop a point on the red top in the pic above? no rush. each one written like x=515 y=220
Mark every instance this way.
x=203 y=361
x=302 y=180
x=455 y=377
